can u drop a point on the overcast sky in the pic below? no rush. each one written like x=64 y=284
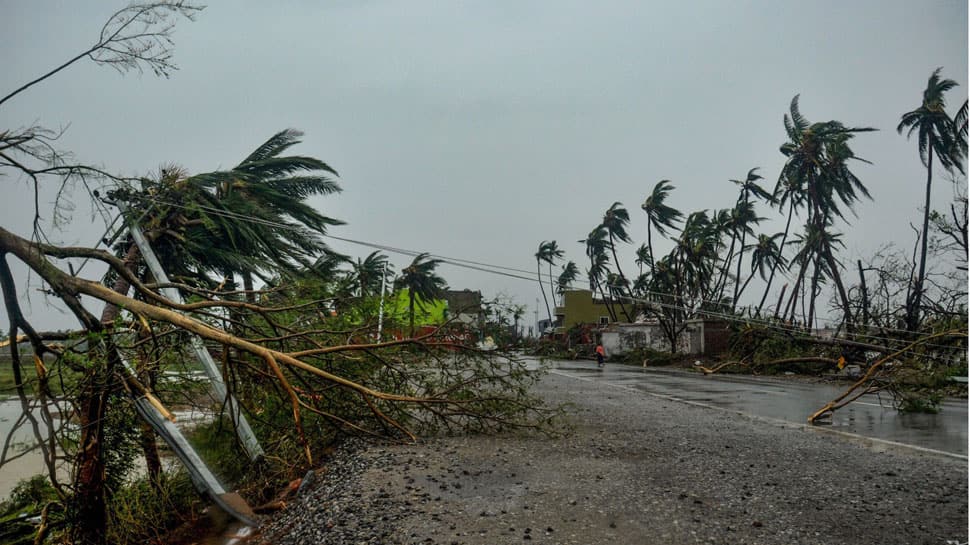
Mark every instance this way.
x=476 y=130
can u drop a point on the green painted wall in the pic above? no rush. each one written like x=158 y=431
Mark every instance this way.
x=396 y=308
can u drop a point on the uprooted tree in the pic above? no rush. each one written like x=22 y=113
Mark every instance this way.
x=300 y=356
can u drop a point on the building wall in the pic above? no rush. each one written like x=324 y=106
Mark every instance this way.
x=620 y=339
x=579 y=308
x=699 y=337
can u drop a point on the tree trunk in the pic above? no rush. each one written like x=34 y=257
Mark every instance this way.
x=837 y=278
x=653 y=262
x=912 y=317
x=542 y=288
x=865 y=295
x=737 y=280
x=725 y=270
x=552 y=287
x=89 y=503
x=620 y=272
x=147 y=376
x=781 y=297
x=781 y=249
x=810 y=322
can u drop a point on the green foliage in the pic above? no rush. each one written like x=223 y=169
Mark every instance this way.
x=26 y=500
x=649 y=356
x=140 y=513
x=758 y=345
x=121 y=445
x=920 y=402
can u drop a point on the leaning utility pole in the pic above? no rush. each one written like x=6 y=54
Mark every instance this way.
x=243 y=430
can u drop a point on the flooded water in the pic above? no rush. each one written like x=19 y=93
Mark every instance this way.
x=28 y=464
x=32 y=463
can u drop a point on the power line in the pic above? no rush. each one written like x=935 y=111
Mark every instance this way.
x=500 y=270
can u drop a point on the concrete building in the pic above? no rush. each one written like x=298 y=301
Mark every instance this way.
x=465 y=306
x=698 y=337
x=579 y=307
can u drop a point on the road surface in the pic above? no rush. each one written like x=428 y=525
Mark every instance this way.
x=789 y=400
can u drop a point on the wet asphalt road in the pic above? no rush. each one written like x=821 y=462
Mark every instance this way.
x=790 y=401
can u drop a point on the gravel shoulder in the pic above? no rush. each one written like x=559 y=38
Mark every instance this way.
x=634 y=470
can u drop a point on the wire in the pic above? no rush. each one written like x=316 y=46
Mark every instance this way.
x=98 y=242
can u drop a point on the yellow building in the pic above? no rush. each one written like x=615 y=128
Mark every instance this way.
x=579 y=308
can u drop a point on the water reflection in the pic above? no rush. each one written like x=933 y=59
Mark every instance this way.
x=872 y=415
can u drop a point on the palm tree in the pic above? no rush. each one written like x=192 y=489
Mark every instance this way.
x=597 y=243
x=960 y=122
x=749 y=188
x=659 y=216
x=554 y=254
x=252 y=219
x=548 y=252
x=643 y=257
x=739 y=223
x=939 y=136
x=816 y=173
x=695 y=256
x=368 y=273
x=249 y=219
x=815 y=250
x=765 y=253
x=569 y=274
x=615 y=221
x=328 y=265
x=786 y=191
x=422 y=283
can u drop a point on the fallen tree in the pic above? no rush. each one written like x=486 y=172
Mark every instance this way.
x=282 y=354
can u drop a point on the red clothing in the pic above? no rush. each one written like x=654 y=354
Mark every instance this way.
x=600 y=350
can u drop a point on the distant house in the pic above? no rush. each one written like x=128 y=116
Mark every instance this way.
x=579 y=307
x=465 y=306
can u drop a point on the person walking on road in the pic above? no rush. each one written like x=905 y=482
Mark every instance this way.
x=600 y=354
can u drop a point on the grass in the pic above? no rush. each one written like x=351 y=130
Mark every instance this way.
x=28 y=374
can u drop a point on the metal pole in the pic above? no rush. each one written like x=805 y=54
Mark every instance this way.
x=199 y=473
x=380 y=311
x=243 y=430
x=538 y=332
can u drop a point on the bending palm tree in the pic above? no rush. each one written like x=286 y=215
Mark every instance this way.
x=250 y=220
x=368 y=273
x=554 y=254
x=938 y=136
x=749 y=188
x=817 y=170
x=422 y=283
x=597 y=243
x=659 y=216
x=615 y=221
x=765 y=253
x=569 y=274
x=548 y=252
